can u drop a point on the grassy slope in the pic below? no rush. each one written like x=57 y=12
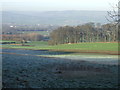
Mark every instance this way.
x=73 y=47
x=39 y=32
x=38 y=43
x=89 y=46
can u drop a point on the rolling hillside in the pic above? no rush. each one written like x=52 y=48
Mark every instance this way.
x=54 y=17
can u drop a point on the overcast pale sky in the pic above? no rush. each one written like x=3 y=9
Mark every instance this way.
x=56 y=5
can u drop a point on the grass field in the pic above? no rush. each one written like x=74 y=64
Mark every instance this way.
x=39 y=68
x=39 y=32
x=26 y=71
x=89 y=46
x=38 y=45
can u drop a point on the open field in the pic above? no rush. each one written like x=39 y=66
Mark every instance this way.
x=35 y=69
x=38 y=43
x=39 y=65
x=39 y=32
x=89 y=46
x=106 y=48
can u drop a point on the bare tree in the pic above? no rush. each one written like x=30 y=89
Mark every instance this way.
x=114 y=14
x=114 y=17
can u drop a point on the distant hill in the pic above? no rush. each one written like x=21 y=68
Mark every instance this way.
x=54 y=17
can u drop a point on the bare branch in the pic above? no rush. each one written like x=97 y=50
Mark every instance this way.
x=114 y=15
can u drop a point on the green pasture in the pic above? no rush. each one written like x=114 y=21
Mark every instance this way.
x=89 y=46
x=38 y=43
x=78 y=46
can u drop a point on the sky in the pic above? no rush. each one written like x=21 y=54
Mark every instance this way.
x=56 y=5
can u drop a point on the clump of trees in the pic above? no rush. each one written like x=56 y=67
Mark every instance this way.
x=32 y=37
x=88 y=32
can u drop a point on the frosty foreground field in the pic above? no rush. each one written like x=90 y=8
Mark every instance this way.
x=27 y=71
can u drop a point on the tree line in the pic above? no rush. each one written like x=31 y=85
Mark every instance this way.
x=24 y=36
x=88 y=32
